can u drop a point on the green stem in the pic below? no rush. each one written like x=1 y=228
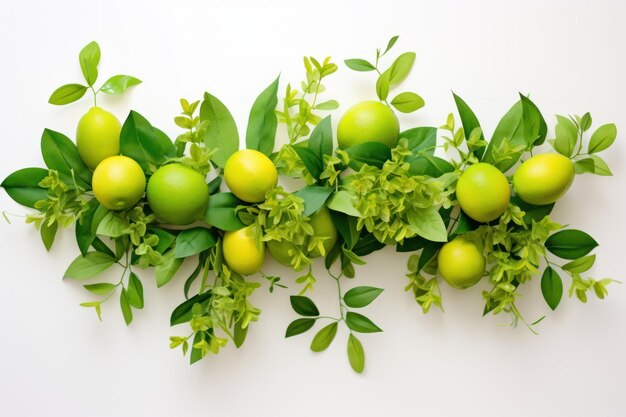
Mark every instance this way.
x=95 y=93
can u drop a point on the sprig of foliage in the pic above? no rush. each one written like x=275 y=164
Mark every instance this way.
x=89 y=58
x=405 y=102
x=570 y=142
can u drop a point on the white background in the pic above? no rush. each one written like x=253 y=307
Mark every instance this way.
x=56 y=359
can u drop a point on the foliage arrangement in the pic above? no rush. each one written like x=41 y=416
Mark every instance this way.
x=375 y=195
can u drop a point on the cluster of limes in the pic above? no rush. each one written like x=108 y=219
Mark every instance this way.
x=178 y=195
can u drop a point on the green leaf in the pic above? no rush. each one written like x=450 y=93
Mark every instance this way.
x=551 y=287
x=324 y=337
x=342 y=201
x=346 y=226
x=304 y=306
x=566 y=136
x=382 y=86
x=357 y=64
x=221 y=212
x=535 y=127
x=422 y=140
x=430 y=165
x=221 y=133
x=602 y=138
x=532 y=212
x=570 y=244
x=580 y=265
x=401 y=67
x=469 y=121
x=89 y=58
x=360 y=323
x=165 y=238
x=367 y=244
x=359 y=297
x=407 y=102
x=390 y=44
x=429 y=224
x=511 y=129
x=166 y=270
x=67 y=93
x=23 y=186
x=312 y=162
x=60 y=153
x=118 y=84
x=299 y=326
x=101 y=247
x=112 y=225
x=262 y=122
x=140 y=141
x=193 y=241
x=48 y=233
x=135 y=291
x=327 y=105
x=369 y=153
x=196 y=353
x=321 y=139
x=430 y=250
x=89 y=265
x=239 y=334
x=314 y=197
x=127 y=312
x=103 y=288
x=356 y=355
x=183 y=313
x=83 y=231
x=600 y=167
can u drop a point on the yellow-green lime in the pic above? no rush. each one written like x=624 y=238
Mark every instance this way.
x=118 y=182
x=242 y=252
x=97 y=136
x=483 y=192
x=543 y=178
x=368 y=121
x=461 y=263
x=250 y=174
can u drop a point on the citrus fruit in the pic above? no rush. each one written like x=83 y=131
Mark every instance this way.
x=368 y=121
x=250 y=174
x=177 y=194
x=118 y=182
x=544 y=178
x=323 y=227
x=242 y=252
x=97 y=136
x=461 y=263
x=483 y=192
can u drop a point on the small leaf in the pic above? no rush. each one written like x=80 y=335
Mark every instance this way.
x=314 y=197
x=118 y=84
x=342 y=201
x=221 y=133
x=382 y=86
x=356 y=355
x=183 y=312
x=240 y=334
x=89 y=58
x=570 y=244
x=23 y=186
x=327 y=105
x=469 y=121
x=600 y=167
x=299 y=326
x=551 y=287
x=359 y=297
x=324 y=337
x=66 y=94
x=321 y=139
x=140 y=141
x=193 y=241
x=103 y=288
x=401 y=67
x=407 y=102
x=165 y=271
x=602 y=138
x=390 y=44
x=89 y=266
x=566 y=136
x=357 y=64
x=427 y=222
x=48 y=233
x=304 y=306
x=262 y=122
x=580 y=265
x=312 y=162
x=360 y=323
x=60 y=153
x=135 y=291
x=127 y=312
x=221 y=212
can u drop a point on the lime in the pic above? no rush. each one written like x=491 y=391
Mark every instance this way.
x=250 y=174
x=483 y=192
x=368 y=121
x=97 y=136
x=178 y=194
x=461 y=263
x=242 y=252
x=118 y=182
x=544 y=178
